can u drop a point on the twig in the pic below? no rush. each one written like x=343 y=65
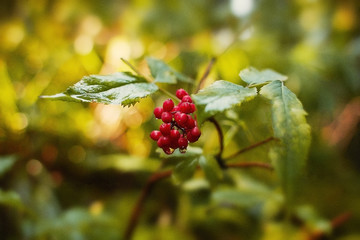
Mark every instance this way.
x=250 y=147
x=218 y=156
x=335 y=223
x=135 y=214
x=174 y=98
x=206 y=73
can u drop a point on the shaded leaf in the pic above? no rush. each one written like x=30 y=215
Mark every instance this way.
x=290 y=126
x=119 y=88
x=126 y=163
x=252 y=76
x=185 y=169
x=6 y=163
x=211 y=169
x=163 y=73
x=221 y=96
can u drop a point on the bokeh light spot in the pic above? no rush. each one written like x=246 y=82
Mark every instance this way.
x=34 y=167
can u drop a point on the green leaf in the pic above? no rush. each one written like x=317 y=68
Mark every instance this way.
x=252 y=76
x=290 y=126
x=221 y=96
x=163 y=73
x=119 y=88
x=211 y=169
x=185 y=169
x=11 y=199
x=6 y=163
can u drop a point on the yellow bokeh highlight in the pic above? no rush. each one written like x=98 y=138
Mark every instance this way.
x=12 y=34
x=96 y=208
x=344 y=18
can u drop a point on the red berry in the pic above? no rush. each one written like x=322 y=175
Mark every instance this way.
x=166 y=117
x=195 y=132
x=163 y=142
x=182 y=119
x=192 y=108
x=155 y=135
x=174 y=143
x=180 y=93
x=191 y=138
x=183 y=143
x=175 y=109
x=190 y=122
x=186 y=98
x=158 y=111
x=168 y=105
x=174 y=134
x=165 y=129
x=177 y=116
x=185 y=107
x=168 y=150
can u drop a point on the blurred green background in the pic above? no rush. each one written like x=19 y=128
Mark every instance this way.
x=74 y=171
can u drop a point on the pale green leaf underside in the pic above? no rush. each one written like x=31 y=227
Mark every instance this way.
x=6 y=163
x=118 y=88
x=252 y=76
x=221 y=96
x=290 y=126
x=163 y=73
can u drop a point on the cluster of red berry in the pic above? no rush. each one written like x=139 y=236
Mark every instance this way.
x=179 y=127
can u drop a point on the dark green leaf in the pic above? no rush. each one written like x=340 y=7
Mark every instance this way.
x=119 y=88
x=290 y=126
x=252 y=76
x=163 y=73
x=221 y=96
x=211 y=169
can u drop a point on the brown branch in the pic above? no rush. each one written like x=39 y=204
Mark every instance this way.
x=218 y=156
x=135 y=214
x=206 y=73
x=250 y=147
x=335 y=223
x=250 y=165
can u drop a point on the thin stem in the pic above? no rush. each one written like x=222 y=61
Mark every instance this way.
x=138 y=73
x=335 y=223
x=206 y=73
x=218 y=156
x=135 y=214
x=169 y=94
x=250 y=165
x=250 y=147
x=131 y=66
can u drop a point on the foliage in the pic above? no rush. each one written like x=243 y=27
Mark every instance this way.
x=76 y=171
